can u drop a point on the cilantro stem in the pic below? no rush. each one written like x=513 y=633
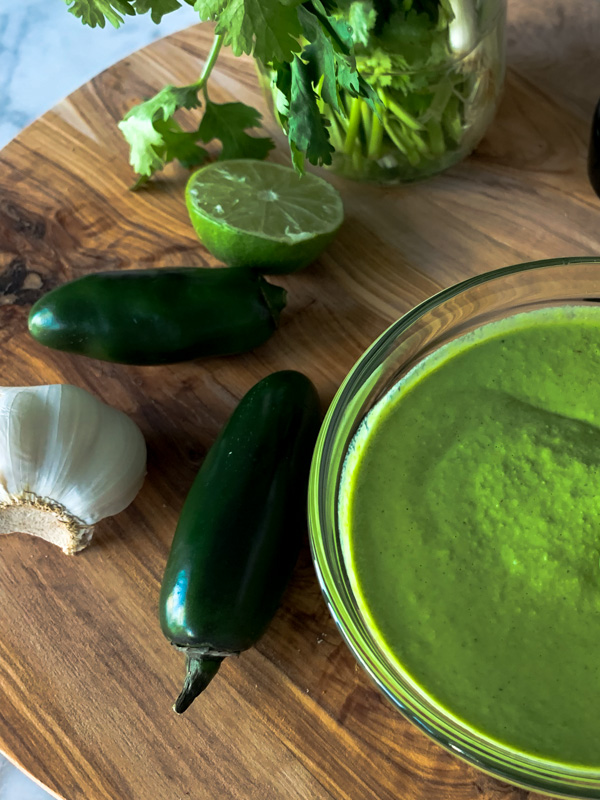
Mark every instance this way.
x=367 y=119
x=353 y=125
x=441 y=96
x=462 y=30
x=376 y=137
x=436 y=137
x=336 y=132
x=210 y=61
x=398 y=136
x=399 y=112
x=451 y=119
x=419 y=144
x=336 y=128
x=318 y=89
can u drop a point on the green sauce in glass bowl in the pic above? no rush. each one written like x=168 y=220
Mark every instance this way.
x=471 y=528
x=455 y=520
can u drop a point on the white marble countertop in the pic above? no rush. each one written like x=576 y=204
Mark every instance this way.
x=45 y=54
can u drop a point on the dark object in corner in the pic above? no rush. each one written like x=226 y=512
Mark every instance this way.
x=594 y=152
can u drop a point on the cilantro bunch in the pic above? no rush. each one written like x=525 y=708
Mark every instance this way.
x=301 y=43
x=436 y=68
x=398 y=86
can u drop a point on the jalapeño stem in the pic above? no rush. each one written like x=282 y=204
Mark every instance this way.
x=200 y=670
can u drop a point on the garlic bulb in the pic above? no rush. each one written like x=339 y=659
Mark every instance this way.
x=67 y=460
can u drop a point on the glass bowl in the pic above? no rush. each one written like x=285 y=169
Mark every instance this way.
x=433 y=323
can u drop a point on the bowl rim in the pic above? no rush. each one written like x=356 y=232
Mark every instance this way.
x=528 y=772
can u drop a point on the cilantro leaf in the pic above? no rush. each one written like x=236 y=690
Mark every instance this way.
x=165 y=103
x=362 y=18
x=307 y=128
x=145 y=143
x=281 y=86
x=330 y=57
x=153 y=144
x=267 y=29
x=174 y=143
x=179 y=144
x=97 y=12
x=312 y=83
x=348 y=77
x=320 y=55
x=338 y=29
x=297 y=158
x=155 y=137
x=368 y=92
x=228 y=123
x=157 y=8
x=413 y=35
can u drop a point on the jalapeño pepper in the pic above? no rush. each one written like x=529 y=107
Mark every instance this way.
x=240 y=529
x=158 y=316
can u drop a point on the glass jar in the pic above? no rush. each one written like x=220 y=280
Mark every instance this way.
x=436 y=68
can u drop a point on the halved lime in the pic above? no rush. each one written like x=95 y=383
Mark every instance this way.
x=258 y=214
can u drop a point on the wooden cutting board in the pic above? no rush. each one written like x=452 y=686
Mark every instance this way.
x=86 y=677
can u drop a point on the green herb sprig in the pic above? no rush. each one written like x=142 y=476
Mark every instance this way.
x=303 y=44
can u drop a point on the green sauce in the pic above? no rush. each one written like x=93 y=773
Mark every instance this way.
x=470 y=515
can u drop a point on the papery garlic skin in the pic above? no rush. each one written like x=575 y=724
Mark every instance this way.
x=67 y=460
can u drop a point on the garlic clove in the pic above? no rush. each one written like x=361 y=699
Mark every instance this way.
x=67 y=460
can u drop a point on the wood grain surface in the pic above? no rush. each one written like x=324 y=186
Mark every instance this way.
x=86 y=677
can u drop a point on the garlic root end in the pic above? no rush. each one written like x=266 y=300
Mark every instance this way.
x=47 y=520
